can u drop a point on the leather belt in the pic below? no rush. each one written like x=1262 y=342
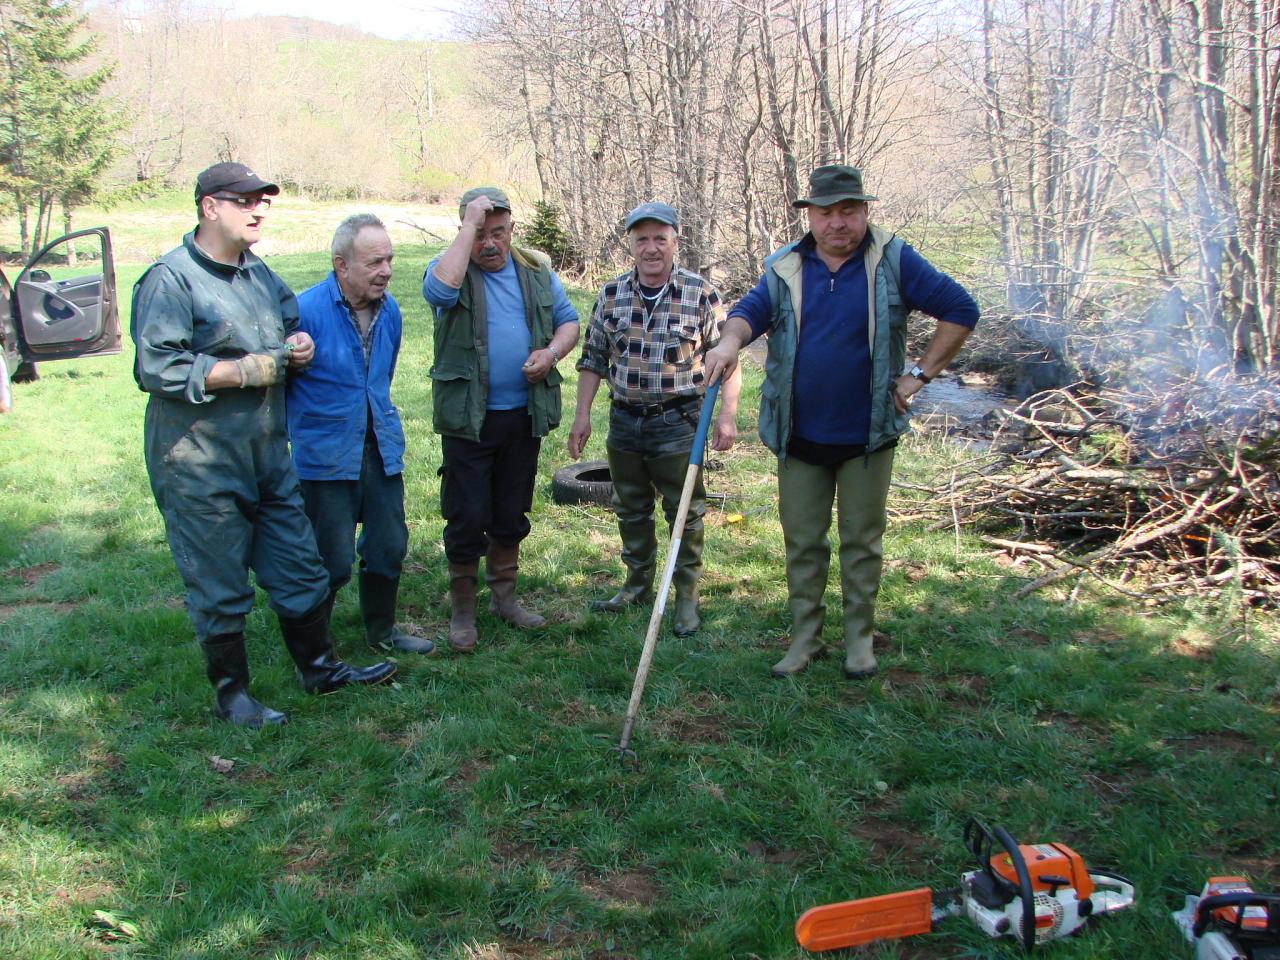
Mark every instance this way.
x=653 y=409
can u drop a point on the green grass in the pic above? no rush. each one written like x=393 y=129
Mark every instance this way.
x=474 y=809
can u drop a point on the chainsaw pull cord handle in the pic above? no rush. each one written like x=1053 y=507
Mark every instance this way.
x=1024 y=888
x=1270 y=902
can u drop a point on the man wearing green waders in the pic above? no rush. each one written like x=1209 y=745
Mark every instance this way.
x=216 y=335
x=837 y=395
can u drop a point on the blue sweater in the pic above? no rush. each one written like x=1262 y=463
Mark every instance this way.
x=331 y=404
x=833 y=359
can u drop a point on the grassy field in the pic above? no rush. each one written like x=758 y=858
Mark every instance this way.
x=474 y=810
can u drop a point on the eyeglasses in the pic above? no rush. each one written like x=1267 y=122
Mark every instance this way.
x=245 y=203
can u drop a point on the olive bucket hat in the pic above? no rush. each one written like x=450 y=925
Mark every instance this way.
x=833 y=184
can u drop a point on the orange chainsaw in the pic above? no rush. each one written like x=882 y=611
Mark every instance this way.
x=1229 y=920
x=1034 y=893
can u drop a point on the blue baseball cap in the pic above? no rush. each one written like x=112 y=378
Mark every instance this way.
x=653 y=210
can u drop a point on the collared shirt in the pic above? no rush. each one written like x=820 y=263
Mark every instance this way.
x=365 y=335
x=658 y=357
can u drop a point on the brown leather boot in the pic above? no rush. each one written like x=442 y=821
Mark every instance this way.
x=463 y=578
x=500 y=569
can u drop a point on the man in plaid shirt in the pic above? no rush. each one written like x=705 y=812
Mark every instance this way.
x=648 y=333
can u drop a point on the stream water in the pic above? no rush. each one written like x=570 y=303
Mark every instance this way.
x=960 y=403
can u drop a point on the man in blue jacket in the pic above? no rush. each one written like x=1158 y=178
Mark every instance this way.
x=348 y=445
x=836 y=398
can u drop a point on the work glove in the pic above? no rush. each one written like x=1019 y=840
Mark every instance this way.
x=261 y=369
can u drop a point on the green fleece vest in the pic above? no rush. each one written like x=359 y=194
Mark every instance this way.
x=460 y=374
x=886 y=333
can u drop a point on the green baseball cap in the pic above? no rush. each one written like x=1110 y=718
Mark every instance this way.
x=833 y=184
x=500 y=201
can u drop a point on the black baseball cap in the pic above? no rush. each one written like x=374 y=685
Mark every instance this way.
x=232 y=177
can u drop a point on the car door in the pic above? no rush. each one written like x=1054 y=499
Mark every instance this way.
x=64 y=300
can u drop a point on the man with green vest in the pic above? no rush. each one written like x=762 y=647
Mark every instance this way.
x=837 y=394
x=502 y=323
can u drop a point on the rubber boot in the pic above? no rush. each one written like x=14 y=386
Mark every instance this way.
x=378 y=608
x=864 y=488
x=462 y=602
x=227 y=668
x=308 y=642
x=688 y=572
x=500 y=568
x=669 y=474
x=686 y=620
x=805 y=495
x=639 y=554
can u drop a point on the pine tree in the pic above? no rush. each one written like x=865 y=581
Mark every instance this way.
x=57 y=135
x=546 y=234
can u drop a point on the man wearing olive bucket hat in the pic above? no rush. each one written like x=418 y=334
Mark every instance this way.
x=837 y=394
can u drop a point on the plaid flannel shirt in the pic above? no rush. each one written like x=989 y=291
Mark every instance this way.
x=649 y=360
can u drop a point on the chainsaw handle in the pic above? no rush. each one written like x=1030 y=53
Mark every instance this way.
x=1270 y=902
x=1024 y=888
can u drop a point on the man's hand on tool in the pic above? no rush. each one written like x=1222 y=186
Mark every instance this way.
x=720 y=362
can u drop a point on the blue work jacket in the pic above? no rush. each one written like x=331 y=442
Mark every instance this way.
x=330 y=404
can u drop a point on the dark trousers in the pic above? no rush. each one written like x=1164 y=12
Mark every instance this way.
x=486 y=485
x=376 y=503
x=228 y=493
x=649 y=456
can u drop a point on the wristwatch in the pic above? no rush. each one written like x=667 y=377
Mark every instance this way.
x=918 y=372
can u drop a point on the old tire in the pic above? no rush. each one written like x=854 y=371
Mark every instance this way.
x=585 y=482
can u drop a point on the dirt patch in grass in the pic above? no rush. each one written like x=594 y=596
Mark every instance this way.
x=966 y=685
x=513 y=851
x=94 y=892
x=904 y=679
x=886 y=839
x=1028 y=637
x=468 y=772
x=759 y=851
x=627 y=886
x=301 y=860
x=1262 y=871
x=1184 y=648
x=702 y=720
x=31 y=576
x=697 y=729
x=1226 y=741
x=91 y=780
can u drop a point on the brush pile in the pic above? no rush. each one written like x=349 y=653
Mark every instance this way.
x=1160 y=496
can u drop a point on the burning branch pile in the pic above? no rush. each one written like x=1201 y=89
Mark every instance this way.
x=1178 y=492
